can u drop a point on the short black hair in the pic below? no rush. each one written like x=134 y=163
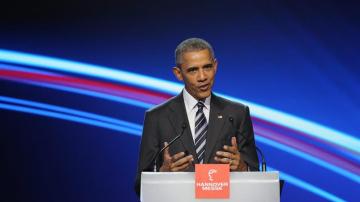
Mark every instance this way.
x=191 y=44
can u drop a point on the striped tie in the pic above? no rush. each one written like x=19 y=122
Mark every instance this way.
x=201 y=128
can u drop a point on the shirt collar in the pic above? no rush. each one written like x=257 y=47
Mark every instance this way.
x=191 y=102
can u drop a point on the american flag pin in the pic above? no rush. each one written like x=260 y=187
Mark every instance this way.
x=219 y=116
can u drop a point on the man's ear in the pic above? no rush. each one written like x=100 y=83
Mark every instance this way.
x=215 y=64
x=177 y=73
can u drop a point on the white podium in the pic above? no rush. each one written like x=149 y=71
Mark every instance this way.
x=180 y=187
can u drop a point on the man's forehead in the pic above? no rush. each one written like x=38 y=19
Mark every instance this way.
x=197 y=56
x=195 y=52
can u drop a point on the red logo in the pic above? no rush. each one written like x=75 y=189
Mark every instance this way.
x=212 y=181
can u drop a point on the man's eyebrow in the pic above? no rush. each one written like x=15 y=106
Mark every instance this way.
x=192 y=68
x=208 y=65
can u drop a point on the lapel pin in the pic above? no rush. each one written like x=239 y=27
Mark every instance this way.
x=219 y=116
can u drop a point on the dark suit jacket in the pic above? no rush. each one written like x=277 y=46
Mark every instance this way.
x=164 y=122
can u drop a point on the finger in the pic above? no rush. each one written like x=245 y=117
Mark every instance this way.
x=235 y=155
x=222 y=154
x=177 y=156
x=234 y=143
x=181 y=167
x=222 y=160
x=166 y=151
x=235 y=162
x=231 y=149
x=184 y=160
x=233 y=167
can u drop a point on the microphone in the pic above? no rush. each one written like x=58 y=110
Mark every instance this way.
x=263 y=162
x=243 y=141
x=246 y=141
x=154 y=161
x=227 y=141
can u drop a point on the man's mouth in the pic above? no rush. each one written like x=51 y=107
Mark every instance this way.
x=204 y=87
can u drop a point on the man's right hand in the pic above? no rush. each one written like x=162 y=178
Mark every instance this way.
x=177 y=162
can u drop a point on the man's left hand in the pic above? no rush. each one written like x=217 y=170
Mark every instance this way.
x=231 y=155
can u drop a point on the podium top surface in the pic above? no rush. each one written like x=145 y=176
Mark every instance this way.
x=189 y=176
x=180 y=187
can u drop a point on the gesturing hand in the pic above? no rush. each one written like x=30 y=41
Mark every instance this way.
x=177 y=162
x=231 y=155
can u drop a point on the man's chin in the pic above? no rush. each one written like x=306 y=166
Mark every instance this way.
x=204 y=95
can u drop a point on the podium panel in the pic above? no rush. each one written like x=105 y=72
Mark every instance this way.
x=180 y=187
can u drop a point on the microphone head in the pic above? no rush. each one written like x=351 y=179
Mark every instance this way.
x=231 y=118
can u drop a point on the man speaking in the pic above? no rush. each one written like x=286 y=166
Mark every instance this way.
x=211 y=129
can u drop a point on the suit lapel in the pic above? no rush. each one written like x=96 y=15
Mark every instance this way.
x=216 y=122
x=177 y=117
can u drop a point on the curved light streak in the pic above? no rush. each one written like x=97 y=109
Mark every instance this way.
x=288 y=132
x=105 y=119
x=275 y=116
x=307 y=186
x=288 y=178
x=130 y=101
x=70 y=111
x=72 y=118
x=92 y=94
x=24 y=69
x=297 y=123
x=88 y=70
x=88 y=84
x=306 y=147
x=310 y=158
x=23 y=75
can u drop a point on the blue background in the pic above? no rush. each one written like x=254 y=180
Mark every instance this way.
x=299 y=57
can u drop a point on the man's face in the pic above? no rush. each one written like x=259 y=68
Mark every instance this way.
x=197 y=71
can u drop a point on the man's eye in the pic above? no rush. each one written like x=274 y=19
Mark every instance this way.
x=192 y=70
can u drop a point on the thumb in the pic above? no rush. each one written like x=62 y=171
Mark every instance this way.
x=233 y=142
x=166 y=151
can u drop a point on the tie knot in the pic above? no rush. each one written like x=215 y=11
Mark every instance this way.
x=200 y=105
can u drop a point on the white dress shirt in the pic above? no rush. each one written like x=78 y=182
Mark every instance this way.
x=191 y=109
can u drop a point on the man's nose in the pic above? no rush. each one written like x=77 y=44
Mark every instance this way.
x=202 y=75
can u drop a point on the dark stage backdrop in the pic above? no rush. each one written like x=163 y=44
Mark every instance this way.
x=76 y=78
